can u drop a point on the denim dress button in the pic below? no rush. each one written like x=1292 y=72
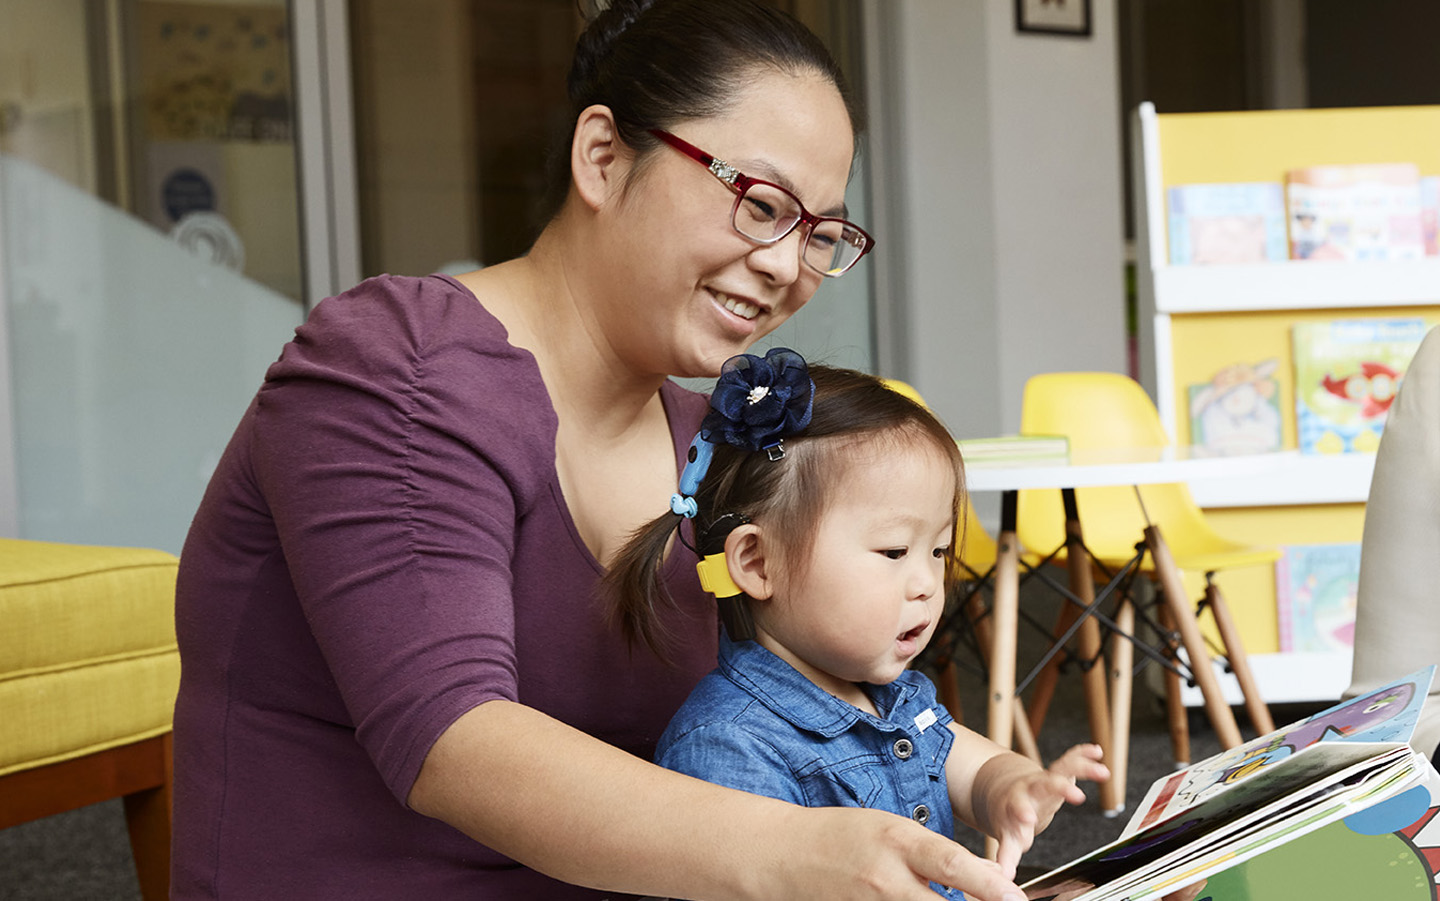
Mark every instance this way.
x=921 y=814
x=903 y=748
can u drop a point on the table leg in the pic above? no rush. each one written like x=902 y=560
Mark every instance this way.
x=1122 y=678
x=1222 y=718
x=1005 y=616
x=1082 y=585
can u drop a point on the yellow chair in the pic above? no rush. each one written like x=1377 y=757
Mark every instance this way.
x=1101 y=410
x=88 y=676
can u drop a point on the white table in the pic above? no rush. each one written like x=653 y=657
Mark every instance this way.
x=1094 y=468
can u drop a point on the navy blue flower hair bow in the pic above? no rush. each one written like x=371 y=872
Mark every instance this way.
x=756 y=403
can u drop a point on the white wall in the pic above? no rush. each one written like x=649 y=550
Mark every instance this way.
x=1002 y=204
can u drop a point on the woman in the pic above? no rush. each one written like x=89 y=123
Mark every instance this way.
x=398 y=680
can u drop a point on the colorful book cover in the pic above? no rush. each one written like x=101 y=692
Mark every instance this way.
x=1237 y=410
x=1227 y=827
x=1346 y=374
x=1315 y=587
x=1227 y=223
x=1364 y=212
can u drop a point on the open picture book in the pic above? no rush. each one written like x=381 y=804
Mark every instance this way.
x=1239 y=804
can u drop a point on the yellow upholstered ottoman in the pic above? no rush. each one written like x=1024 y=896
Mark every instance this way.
x=88 y=675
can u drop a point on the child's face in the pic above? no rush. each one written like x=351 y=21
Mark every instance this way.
x=869 y=597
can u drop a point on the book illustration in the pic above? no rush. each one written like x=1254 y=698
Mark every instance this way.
x=1362 y=212
x=1387 y=714
x=1430 y=214
x=1315 y=591
x=1227 y=223
x=1238 y=410
x=1346 y=375
x=1347 y=767
x=1390 y=851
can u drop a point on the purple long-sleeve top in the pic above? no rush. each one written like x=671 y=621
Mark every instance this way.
x=383 y=547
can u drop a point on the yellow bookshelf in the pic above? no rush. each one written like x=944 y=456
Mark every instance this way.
x=1193 y=320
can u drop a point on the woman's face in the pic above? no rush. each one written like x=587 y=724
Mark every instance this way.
x=686 y=291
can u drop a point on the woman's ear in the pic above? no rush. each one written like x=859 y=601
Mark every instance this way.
x=598 y=158
x=746 y=558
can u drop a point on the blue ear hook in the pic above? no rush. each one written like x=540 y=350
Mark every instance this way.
x=697 y=463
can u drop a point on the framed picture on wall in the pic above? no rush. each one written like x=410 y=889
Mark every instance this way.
x=1064 y=17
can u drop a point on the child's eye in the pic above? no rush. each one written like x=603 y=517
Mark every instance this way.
x=894 y=553
x=941 y=551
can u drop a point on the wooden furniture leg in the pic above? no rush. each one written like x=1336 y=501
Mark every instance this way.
x=1175 y=713
x=1043 y=689
x=1005 y=619
x=1222 y=718
x=1122 y=678
x=1097 y=705
x=948 y=687
x=141 y=773
x=1255 y=705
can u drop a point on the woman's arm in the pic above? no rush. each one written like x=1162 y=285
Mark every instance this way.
x=582 y=811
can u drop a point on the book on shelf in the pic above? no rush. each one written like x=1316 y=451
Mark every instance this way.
x=1346 y=374
x=1359 y=212
x=1242 y=222
x=1315 y=591
x=1015 y=449
x=1430 y=214
x=1237 y=410
x=1347 y=764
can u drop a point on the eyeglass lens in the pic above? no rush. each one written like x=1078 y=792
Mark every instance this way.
x=766 y=213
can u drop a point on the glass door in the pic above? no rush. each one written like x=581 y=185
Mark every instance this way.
x=151 y=259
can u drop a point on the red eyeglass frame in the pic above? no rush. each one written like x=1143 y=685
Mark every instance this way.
x=739 y=182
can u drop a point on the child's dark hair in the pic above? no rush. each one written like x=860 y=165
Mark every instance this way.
x=851 y=409
x=658 y=62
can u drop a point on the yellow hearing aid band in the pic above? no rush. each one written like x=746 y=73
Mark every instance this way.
x=715 y=577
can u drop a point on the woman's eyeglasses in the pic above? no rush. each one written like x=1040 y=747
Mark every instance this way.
x=765 y=213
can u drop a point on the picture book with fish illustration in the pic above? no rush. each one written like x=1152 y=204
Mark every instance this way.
x=1346 y=374
x=1348 y=767
x=1316 y=586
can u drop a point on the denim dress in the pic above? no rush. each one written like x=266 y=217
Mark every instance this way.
x=758 y=725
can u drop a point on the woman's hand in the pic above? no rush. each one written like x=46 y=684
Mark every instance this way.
x=849 y=854
x=1022 y=806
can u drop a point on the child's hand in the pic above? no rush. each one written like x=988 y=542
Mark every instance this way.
x=1029 y=802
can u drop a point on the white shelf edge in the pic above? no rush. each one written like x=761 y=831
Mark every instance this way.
x=1311 y=479
x=1304 y=285
x=1285 y=679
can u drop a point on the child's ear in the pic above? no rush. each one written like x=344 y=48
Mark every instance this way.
x=745 y=557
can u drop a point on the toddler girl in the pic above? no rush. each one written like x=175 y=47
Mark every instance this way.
x=824 y=507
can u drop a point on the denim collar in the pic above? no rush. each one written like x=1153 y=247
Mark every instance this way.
x=794 y=698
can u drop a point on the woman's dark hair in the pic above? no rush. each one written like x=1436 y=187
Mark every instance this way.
x=852 y=411
x=658 y=62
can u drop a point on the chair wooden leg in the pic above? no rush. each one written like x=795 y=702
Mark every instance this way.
x=148 y=819
x=1222 y=718
x=948 y=687
x=1175 y=714
x=1043 y=688
x=1255 y=705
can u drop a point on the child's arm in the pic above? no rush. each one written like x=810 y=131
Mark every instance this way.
x=1010 y=797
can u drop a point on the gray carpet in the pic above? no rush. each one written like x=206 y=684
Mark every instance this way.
x=84 y=855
